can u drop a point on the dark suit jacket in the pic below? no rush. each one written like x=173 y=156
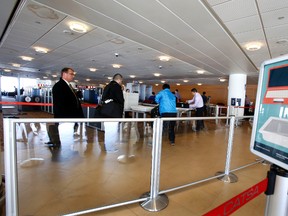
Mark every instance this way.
x=65 y=102
x=114 y=91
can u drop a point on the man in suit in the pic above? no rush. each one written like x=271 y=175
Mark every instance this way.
x=66 y=104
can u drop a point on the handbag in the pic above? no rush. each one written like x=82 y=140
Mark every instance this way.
x=111 y=110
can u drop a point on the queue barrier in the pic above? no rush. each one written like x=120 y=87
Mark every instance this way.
x=153 y=200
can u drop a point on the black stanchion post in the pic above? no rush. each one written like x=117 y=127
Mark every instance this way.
x=277 y=189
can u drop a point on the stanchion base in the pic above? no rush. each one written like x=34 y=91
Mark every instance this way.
x=153 y=205
x=126 y=159
x=230 y=178
x=32 y=162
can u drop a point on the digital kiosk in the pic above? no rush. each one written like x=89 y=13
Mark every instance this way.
x=269 y=138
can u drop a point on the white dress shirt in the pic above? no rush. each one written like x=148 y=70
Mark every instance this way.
x=196 y=102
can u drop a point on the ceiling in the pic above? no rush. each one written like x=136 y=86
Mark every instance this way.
x=203 y=35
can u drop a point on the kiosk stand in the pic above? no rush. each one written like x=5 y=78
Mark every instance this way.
x=277 y=198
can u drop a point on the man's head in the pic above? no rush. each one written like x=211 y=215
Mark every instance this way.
x=118 y=78
x=193 y=90
x=166 y=86
x=67 y=74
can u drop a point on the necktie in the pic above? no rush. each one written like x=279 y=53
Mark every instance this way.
x=74 y=93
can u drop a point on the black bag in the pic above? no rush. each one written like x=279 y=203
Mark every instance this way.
x=111 y=110
x=97 y=113
x=155 y=112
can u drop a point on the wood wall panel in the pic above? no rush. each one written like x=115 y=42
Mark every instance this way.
x=219 y=94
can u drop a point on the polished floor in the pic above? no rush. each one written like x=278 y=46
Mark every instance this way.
x=92 y=169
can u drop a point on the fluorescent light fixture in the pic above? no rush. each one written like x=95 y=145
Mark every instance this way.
x=88 y=80
x=54 y=75
x=157 y=74
x=7 y=70
x=16 y=65
x=222 y=79
x=110 y=78
x=116 y=66
x=26 y=58
x=185 y=81
x=253 y=46
x=164 y=58
x=156 y=84
x=200 y=71
x=163 y=81
x=178 y=84
x=41 y=50
x=132 y=76
x=199 y=84
x=78 y=27
x=140 y=82
x=92 y=69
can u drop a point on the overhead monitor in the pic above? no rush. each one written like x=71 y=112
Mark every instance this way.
x=270 y=126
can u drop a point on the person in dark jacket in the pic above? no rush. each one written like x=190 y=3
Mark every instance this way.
x=66 y=104
x=112 y=107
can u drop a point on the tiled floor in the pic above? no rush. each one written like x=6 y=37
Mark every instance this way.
x=83 y=175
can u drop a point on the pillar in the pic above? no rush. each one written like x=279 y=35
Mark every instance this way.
x=236 y=93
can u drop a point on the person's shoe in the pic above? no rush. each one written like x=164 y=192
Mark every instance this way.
x=172 y=143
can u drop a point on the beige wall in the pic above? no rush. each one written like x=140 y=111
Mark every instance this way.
x=219 y=94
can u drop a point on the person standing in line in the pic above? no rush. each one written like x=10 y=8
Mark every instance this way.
x=113 y=107
x=66 y=104
x=167 y=108
x=197 y=103
x=178 y=97
x=205 y=99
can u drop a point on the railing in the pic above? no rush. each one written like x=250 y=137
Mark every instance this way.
x=153 y=200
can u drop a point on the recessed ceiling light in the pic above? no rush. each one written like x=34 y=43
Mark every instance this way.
x=110 y=78
x=132 y=76
x=54 y=75
x=200 y=71
x=140 y=82
x=163 y=81
x=164 y=58
x=26 y=58
x=88 y=80
x=156 y=84
x=222 y=79
x=157 y=74
x=178 y=84
x=92 y=69
x=16 y=65
x=253 y=46
x=7 y=70
x=78 y=27
x=45 y=77
x=282 y=41
x=116 y=66
x=199 y=84
x=41 y=49
x=185 y=81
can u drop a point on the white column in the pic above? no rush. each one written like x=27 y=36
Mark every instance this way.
x=236 y=93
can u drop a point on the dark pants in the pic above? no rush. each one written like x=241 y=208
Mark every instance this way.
x=170 y=125
x=199 y=123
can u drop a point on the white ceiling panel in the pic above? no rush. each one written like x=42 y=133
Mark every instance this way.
x=141 y=31
x=236 y=9
x=268 y=5
x=245 y=24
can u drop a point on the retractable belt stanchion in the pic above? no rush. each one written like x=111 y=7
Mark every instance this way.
x=277 y=198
